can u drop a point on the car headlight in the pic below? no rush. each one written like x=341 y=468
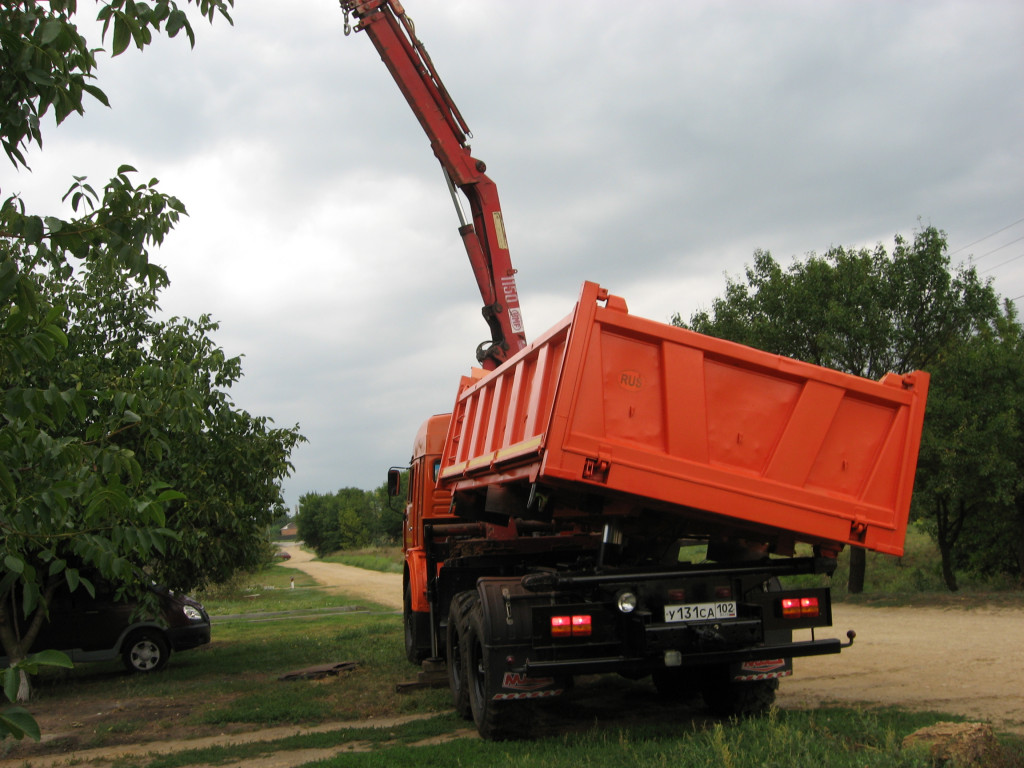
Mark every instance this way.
x=192 y=613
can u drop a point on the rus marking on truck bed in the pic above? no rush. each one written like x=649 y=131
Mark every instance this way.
x=631 y=380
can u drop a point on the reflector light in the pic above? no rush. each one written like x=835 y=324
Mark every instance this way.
x=581 y=626
x=677 y=595
x=800 y=607
x=571 y=626
x=723 y=593
x=561 y=626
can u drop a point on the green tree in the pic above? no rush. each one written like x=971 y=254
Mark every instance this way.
x=971 y=492
x=317 y=523
x=389 y=513
x=348 y=519
x=860 y=311
x=227 y=463
x=73 y=488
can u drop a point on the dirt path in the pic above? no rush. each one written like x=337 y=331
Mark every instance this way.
x=967 y=662
x=381 y=588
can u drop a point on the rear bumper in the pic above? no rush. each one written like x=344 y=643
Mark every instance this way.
x=585 y=666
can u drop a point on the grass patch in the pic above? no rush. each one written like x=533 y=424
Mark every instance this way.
x=269 y=591
x=913 y=579
x=233 y=684
x=379 y=738
x=383 y=559
x=825 y=738
x=234 y=679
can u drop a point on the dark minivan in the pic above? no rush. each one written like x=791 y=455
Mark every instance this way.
x=101 y=628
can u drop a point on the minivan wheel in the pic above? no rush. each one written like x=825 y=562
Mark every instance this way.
x=145 y=651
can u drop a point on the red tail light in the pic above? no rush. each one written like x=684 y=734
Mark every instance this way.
x=800 y=607
x=581 y=626
x=571 y=626
x=561 y=626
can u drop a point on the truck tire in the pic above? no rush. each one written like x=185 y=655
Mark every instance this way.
x=728 y=698
x=458 y=680
x=675 y=684
x=495 y=720
x=417 y=630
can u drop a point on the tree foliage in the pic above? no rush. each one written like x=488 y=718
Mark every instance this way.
x=348 y=519
x=120 y=451
x=183 y=427
x=971 y=488
x=868 y=312
x=860 y=311
x=17 y=722
x=47 y=65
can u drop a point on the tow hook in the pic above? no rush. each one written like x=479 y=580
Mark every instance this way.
x=850 y=635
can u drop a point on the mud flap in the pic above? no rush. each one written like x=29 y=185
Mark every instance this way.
x=516 y=686
x=766 y=669
x=508 y=642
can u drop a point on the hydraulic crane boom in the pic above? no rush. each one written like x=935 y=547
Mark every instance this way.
x=394 y=36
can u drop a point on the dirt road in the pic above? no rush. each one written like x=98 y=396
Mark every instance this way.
x=381 y=588
x=966 y=662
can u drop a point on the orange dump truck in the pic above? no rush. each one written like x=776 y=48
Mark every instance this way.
x=626 y=496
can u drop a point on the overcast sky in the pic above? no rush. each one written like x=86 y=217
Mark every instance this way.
x=649 y=146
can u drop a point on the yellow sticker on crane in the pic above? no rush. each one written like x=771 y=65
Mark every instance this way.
x=499 y=230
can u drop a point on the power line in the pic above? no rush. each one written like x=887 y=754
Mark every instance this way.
x=986 y=237
x=1004 y=245
x=997 y=266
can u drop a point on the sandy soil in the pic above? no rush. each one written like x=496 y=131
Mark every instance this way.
x=957 y=660
x=968 y=662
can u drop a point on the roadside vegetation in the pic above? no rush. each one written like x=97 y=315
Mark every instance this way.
x=916 y=578
x=383 y=559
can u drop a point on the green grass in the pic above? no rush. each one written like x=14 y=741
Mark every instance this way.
x=915 y=578
x=270 y=590
x=384 y=559
x=823 y=738
x=234 y=679
x=233 y=684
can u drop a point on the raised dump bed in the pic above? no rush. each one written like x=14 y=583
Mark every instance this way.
x=633 y=416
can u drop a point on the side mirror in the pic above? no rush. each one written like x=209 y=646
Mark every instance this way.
x=394 y=482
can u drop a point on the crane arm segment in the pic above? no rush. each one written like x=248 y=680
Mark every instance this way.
x=394 y=36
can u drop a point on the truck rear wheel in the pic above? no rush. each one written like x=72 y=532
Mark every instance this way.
x=675 y=684
x=458 y=680
x=495 y=720
x=729 y=698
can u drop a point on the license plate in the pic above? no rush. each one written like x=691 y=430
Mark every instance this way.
x=693 y=612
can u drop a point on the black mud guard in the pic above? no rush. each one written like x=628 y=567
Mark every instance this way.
x=508 y=628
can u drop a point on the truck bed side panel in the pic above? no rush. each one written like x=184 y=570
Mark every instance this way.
x=658 y=416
